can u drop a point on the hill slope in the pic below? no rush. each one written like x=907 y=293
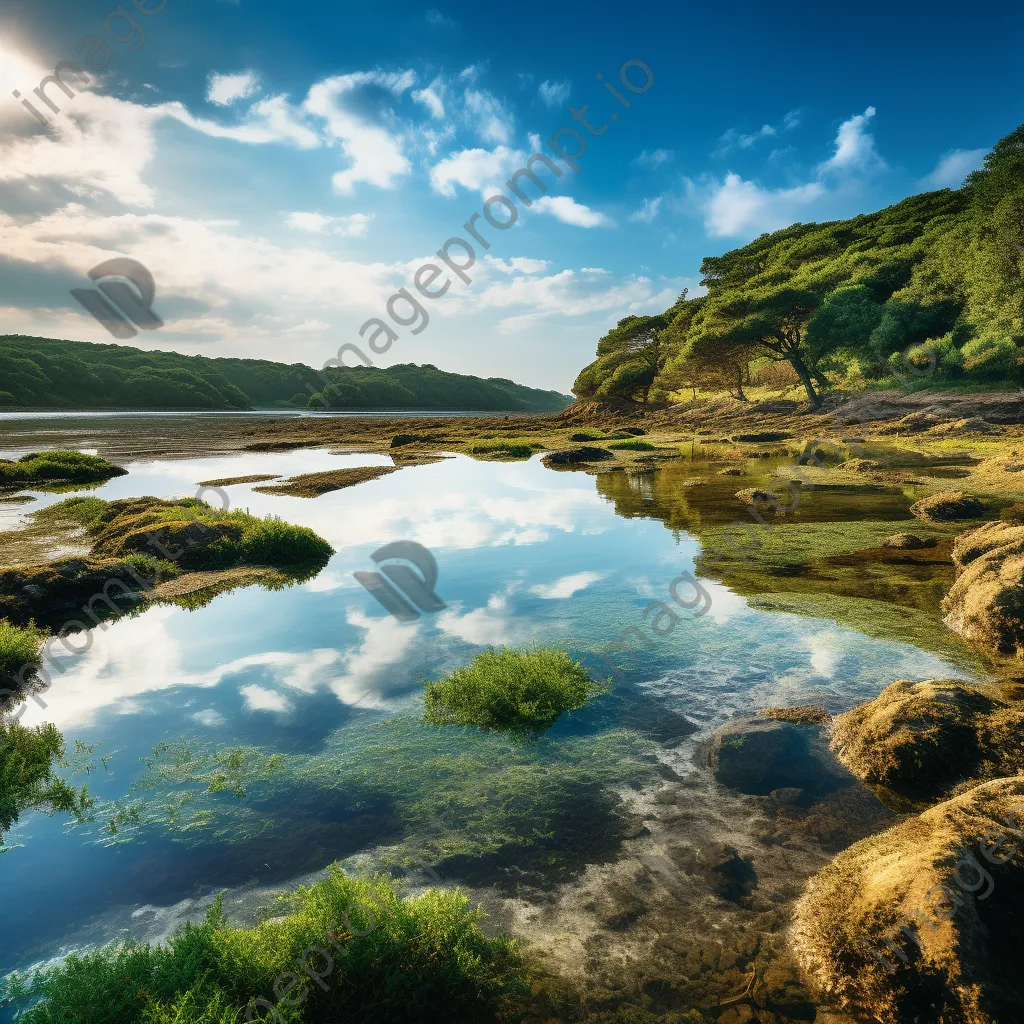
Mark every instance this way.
x=43 y=373
x=930 y=289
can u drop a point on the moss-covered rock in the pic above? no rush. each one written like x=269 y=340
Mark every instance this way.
x=575 y=456
x=948 y=505
x=908 y=542
x=921 y=739
x=986 y=603
x=922 y=922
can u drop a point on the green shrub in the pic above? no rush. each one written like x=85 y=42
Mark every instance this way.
x=633 y=445
x=19 y=645
x=990 y=357
x=505 y=448
x=522 y=693
x=58 y=466
x=395 y=960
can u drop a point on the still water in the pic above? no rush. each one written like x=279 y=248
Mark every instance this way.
x=318 y=689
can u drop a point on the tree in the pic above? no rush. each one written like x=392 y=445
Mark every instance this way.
x=629 y=357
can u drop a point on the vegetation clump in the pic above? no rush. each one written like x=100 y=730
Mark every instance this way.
x=522 y=693
x=949 y=505
x=387 y=958
x=635 y=444
x=575 y=456
x=57 y=467
x=312 y=485
x=509 y=448
x=19 y=646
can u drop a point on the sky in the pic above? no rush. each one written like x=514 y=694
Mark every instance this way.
x=283 y=170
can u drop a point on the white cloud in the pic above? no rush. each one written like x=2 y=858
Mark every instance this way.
x=653 y=158
x=734 y=139
x=568 y=211
x=490 y=625
x=438 y=20
x=739 y=207
x=855 y=146
x=353 y=225
x=223 y=90
x=953 y=167
x=259 y=698
x=376 y=154
x=492 y=122
x=210 y=718
x=430 y=97
x=566 y=586
x=648 y=211
x=483 y=170
x=554 y=94
x=522 y=264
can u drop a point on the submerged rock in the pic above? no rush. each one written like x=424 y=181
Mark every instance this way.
x=922 y=922
x=948 y=505
x=574 y=456
x=758 y=755
x=986 y=603
x=920 y=739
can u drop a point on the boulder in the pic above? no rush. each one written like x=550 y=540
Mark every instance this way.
x=948 y=505
x=908 y=542
x=922 y=921
x=758 y=755
x=986 y=603
x=573 y=456
x=920 y=739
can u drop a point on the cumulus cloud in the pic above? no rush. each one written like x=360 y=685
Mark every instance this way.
x=260 y=698
x=566 y=586
x=953 y=167
x=223 y=90
x=483 y=170
x=554 y=94
x=430 y=97
x=353 y=225
x=855 y=146
x=739 y=207
x=568 y=211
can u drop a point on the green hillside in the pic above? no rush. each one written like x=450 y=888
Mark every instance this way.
x=42 y=373
x=929 y=291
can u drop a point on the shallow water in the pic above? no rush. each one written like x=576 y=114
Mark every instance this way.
x=320 y=674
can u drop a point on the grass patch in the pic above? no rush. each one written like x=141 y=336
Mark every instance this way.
x=506 y=448
x=57 y=467
x=396 y=960
x=634 y=444
x=311 y=485
x=522 y=693
x=227 y=481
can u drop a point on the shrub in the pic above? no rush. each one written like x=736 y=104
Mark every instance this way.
x=634 y=444
x=58 y=466
x=19 y=646
x=990 y=357
x=402 y=960
x=503 y=448
x=522 y=693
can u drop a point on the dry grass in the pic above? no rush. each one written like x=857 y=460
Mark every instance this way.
x=227 y=481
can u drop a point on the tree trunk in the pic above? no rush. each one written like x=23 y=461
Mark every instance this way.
x=739 y=383
x=805 y=378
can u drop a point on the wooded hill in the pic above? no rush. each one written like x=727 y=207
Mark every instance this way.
x=931 y=289
x=42 y=373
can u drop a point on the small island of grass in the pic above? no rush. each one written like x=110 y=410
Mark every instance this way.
x=60 y=467
x=522 y=693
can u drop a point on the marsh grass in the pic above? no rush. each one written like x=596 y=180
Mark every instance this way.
x=57 y=467
x=403 y=960
x=522 y=693
x=634 y=444
x=506 y=448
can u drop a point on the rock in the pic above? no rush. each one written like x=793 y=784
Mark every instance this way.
x=573 y=456
x=634 y=431
x=733 y=876
x=922 y=922
x=402 y=439
x=757 y=755
x=919 y=739
x=802 y=714
x=948 y=505
x=986 y=603
x=908 y=542
x=587 y=435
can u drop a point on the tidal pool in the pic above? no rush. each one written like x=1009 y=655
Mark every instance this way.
x=249 y=743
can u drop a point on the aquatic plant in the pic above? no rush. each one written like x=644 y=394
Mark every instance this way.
x=522 y=693
x=59 y=466
x=28 y=781
x=383 y=957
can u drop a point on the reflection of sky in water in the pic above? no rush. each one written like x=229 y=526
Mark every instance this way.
x=524 y=555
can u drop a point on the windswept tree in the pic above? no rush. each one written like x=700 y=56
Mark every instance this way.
x=629 y=357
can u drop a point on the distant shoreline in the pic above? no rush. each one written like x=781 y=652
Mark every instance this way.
x=28 y=414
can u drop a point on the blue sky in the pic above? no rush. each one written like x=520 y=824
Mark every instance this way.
x=283 y=169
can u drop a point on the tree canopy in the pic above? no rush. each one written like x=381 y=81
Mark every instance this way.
x=846 y=302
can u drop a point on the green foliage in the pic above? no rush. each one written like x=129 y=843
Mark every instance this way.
x=388 y=958
x=28 y=757
x=19 y=646
x=510 y=448
x=522 y=693
x=46 y=373
x=58 y=466
x=633 y=445
x=842 y=301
